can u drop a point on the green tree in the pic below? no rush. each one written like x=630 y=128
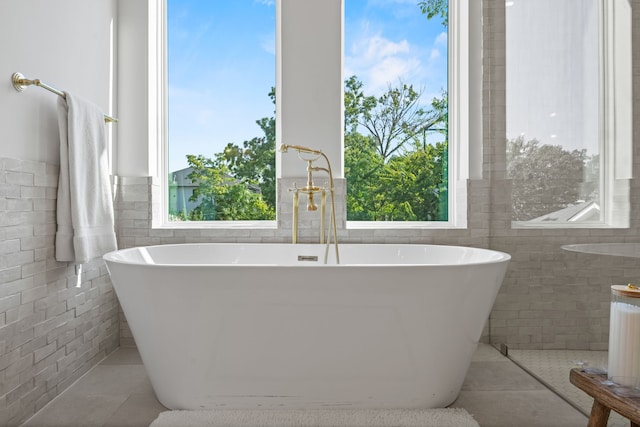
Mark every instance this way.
x=221 y=195
x=363 y=167
x=239 y=183
x=411 y=185
x=393 y=173
x=392 y=119
x=544 y=178
x=591 y=185
x=255 y=162
x=436 y=8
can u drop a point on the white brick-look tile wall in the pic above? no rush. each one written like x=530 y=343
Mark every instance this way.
x=52 y=328
x=550 y=299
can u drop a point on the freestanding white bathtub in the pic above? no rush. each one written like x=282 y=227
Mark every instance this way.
x=252 y=326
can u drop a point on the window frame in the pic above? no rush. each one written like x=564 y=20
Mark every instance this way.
x=615 y=153
x=460 y=30
x=465 y=106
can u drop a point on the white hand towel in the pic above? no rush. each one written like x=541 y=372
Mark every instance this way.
x=85 y=202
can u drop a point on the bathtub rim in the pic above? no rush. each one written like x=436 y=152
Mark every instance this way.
x=112 y=256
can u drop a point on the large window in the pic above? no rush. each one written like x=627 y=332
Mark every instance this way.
x=568 y=123
x=227 y=110
x=396 y=122
x=221 y=130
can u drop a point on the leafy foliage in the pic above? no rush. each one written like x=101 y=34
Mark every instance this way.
x=436 y=8
x=363 y=169
x=393 y=173
x=222 y=196
x=239 y=183
x=255 y=162
x=547 y=178
x=392 y=119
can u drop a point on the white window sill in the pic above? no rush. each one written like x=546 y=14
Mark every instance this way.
x=219 y=225
x=521 y=225
x=400 y=225
x=273 y=225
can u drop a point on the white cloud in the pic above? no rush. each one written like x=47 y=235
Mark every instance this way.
x=441 y=40
x=390 y=70
x=379 y=47
x=377 y=60
x=268 y=43
x=266 y=2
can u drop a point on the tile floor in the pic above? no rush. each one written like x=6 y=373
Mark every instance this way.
x=551 y=367
x=117 y=393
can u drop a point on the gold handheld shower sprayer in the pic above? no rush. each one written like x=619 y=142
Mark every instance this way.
x=310 y=189
x=300 y=149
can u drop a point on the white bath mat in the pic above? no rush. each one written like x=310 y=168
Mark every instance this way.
x=447 y=417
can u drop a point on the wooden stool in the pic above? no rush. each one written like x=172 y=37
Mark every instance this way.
x=604 y=399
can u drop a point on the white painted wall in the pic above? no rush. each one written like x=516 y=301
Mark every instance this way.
x=66 y=44
x=310 y=97
x=137 y=89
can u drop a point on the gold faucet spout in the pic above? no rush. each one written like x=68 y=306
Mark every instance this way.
x=299 y=148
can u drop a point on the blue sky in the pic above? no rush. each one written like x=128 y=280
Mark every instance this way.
x=222 y=64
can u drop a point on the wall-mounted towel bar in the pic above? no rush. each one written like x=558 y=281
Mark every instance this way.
x=20 y=83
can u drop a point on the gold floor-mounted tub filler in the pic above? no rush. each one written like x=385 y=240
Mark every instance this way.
x=311 y=190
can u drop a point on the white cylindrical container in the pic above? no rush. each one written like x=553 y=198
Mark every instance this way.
x=624 y=336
